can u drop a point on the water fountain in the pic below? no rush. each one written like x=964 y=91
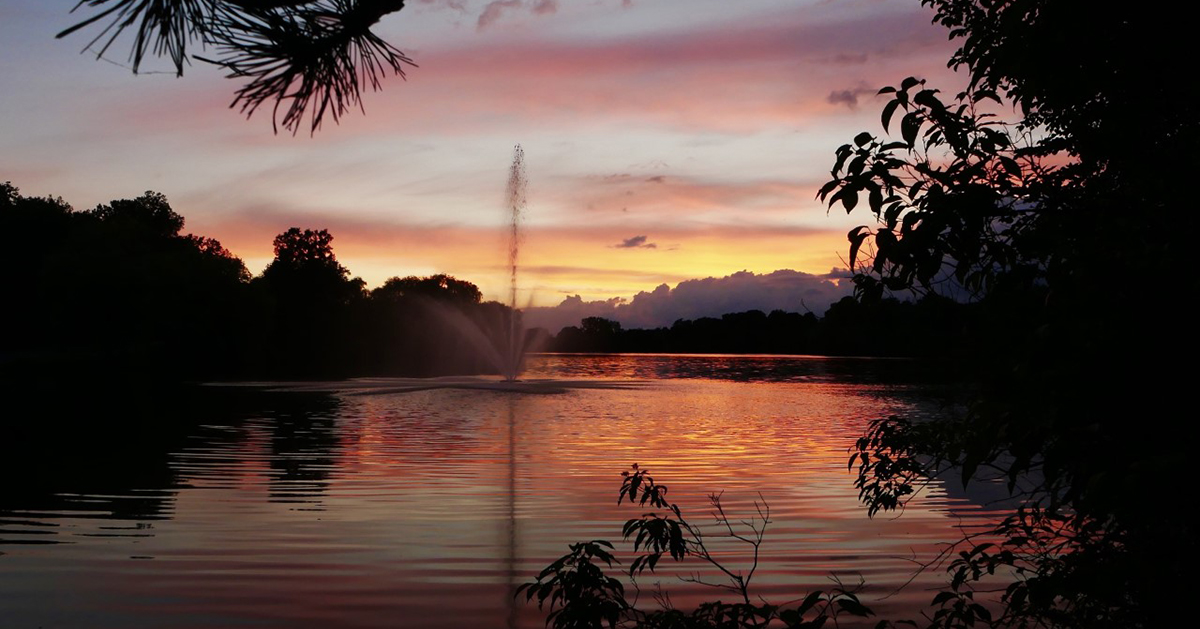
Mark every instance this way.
x=515 y=351
x=504 y=348
x=500 y=342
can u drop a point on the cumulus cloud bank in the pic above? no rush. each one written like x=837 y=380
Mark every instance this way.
x=785 y=289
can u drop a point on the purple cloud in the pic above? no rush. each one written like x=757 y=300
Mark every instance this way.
x=494 y=10
x=636 y=242
x=849 y=97
x=789 y=290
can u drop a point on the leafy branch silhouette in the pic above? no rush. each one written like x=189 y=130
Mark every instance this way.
x=578 y=593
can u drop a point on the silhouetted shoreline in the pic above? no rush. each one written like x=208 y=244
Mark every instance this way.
x=121 y=298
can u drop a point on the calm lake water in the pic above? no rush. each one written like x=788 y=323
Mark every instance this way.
x=425 y=508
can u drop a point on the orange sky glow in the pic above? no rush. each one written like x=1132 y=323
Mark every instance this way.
x=703 y=128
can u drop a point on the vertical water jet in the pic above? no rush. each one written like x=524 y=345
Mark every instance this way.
x=516 y=205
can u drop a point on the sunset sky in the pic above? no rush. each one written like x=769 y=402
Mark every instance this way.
x=665 y=140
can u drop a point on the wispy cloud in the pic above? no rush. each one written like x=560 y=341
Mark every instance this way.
x=745 y=103
x=457 y=5
x=849 y=97
x=545 y=7
x=636 y=242
x=748 y=75
x=682 y=195
x=556 y=260
x=494 y=10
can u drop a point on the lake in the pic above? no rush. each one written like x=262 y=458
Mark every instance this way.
x=426 y=508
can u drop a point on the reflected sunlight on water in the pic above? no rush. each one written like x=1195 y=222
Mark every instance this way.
x=426 y=508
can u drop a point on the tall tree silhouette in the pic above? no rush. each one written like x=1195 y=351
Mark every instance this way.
x=307 y=56
x=311 y=298
x=1058 y=225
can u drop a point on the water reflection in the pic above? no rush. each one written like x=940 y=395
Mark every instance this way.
x=304 y=448
x=740 y=368
x=407 y=510
x=54 y=490
x=513 y=577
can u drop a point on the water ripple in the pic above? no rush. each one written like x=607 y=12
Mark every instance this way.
x=385 y=504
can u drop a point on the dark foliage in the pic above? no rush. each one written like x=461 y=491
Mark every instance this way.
x=117 y=286
x=1062 y=228
x=436 y=287
x=578 y=594
x=318 y=56
x=309 y=300
x=119 y=291
x=1063 y=225
x=929 y=327
x=310 y=57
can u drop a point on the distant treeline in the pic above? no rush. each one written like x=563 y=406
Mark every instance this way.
x=120 y=289
x=890 y=327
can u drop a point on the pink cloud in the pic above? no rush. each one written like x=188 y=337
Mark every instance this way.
x=545 y=7
x=497 y=8
x=778 y=37
x=734 y=78
x=742 y=76
x=625 y=196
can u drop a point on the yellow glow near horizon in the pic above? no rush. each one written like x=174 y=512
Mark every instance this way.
x=704 y=129
x=586 y=263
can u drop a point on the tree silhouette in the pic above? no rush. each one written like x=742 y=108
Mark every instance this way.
x=308 y=56
x=311 y=303
x=439 y=287
x=1058 y=225
x=117 y=287
x=120 y=290
x=308 y=249
x=151 y=212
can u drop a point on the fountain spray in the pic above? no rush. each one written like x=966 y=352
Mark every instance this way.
x=516 y=203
